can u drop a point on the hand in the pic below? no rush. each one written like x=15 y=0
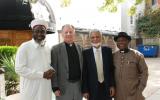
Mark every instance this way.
x=112 y=91
x=57 y=93
x=48 y=74
x=86 y=95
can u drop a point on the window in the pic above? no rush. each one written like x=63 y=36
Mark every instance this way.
x=154 y=2
x=131 y=20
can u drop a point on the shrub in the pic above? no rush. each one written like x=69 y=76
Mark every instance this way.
x=7 y=62
x=8 y=51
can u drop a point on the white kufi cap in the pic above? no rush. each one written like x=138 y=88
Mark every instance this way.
x=36 y=22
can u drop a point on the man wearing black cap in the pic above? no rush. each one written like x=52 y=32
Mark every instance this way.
x=131 y=71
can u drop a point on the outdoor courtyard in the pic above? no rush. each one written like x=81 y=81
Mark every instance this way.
x=151 y=92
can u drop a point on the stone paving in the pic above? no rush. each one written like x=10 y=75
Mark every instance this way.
x=151 y=92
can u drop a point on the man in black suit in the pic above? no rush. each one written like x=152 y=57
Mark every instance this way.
x=98 y=71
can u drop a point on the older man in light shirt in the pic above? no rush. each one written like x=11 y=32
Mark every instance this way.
x=33 y=65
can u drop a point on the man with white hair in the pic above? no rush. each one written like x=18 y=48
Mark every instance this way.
x=98 y=70
x=33 y=65
x=66 y=59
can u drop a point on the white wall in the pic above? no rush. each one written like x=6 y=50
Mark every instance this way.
x=126 y=26
x=52 y=39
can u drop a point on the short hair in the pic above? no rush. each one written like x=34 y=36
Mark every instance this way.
x=95 y=31
x=68 y=25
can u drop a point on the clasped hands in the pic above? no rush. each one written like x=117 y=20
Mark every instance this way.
x=48 y=74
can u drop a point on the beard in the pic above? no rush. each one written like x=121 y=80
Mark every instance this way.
x=39 y=39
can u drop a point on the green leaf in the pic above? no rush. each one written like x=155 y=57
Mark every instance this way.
x=102 y=8
x=65 y=3
x=8 y=64
x=138 y=2
x=110 y=8
x=109 y=2
x=120 y=1
x=132 y=11
x=113 y=8
x=150 y=23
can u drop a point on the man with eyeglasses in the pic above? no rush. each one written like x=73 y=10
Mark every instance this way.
x=33 y=65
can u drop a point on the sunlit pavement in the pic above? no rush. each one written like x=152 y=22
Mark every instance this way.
x=151 y=92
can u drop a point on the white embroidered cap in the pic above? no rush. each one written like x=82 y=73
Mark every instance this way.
x=36 y=22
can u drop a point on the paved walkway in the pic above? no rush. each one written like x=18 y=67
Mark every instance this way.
x=151 y=92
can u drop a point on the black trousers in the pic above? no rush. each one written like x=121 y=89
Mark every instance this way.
x=102 y=93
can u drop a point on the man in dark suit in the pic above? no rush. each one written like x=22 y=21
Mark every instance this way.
x=66 y=59
x=98 y=71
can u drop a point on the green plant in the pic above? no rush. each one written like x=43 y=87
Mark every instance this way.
x=12 y=79
x=8 y=65
x=150 y=23
x=7 y=51
x=108 y=5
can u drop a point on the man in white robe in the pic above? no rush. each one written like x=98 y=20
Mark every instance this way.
x=33 y=65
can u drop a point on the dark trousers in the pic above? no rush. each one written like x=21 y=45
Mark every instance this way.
x=102 y=93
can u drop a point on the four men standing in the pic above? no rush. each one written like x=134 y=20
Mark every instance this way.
x=95 y=71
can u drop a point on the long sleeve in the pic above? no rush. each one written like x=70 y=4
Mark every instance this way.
x=21 y=65
x=112 y=68
x=143 y=70
x=112 y=78
x=54 y=64
x=84 y=75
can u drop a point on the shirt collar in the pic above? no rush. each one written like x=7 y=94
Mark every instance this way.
x=69 y=45
x=94 y=49
x=126 y=50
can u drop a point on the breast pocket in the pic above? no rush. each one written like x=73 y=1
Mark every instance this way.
x=131 y=69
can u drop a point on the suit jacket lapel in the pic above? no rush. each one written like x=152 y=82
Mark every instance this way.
x=103 y=53
x=65 y=56
x=104 y=58
x=93 y=60
x=79 y=54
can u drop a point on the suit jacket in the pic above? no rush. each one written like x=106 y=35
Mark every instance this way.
x=90 y=78
x=59 y=61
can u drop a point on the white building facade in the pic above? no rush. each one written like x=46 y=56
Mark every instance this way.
x=128 y=23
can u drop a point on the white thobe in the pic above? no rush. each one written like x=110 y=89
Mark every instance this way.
x=32 y=61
